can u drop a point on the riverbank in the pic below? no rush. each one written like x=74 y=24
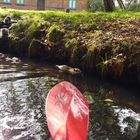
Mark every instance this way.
x=107 y=44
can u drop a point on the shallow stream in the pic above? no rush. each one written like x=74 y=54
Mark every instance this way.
x=24 y=85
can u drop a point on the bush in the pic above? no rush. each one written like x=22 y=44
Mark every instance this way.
x=18 y=30
x=134 y=7
x=96 y=5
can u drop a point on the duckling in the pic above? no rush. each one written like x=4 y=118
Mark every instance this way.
x=68 y=69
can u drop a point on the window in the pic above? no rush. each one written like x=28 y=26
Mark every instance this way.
x=20 y=2
x=72 y=4
x=7 y=1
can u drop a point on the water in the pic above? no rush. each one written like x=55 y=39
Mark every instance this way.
x=24 y=86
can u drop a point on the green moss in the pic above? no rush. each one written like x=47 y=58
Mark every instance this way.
x=71 y=47
x=38 y=50
x=103 y=66
x=71 y=43
x=55 y=35
x=16 y=15
x=117 y=68
x=37 y=28
x=19 y=29
x=74 y=60
x=34 y=48
x=121 y=45
x=89 y=60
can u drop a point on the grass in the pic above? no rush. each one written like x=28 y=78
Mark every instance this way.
x=73 y=17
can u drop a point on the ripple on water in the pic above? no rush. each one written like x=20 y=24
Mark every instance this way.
x=22 y=109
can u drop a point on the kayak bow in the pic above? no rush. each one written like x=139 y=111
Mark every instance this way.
x=67 y=113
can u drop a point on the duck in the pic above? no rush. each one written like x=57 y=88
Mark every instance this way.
x=68 y=69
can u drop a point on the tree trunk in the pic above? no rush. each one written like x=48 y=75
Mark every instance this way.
x=109 y=5
x=130 y=2
x=121 y=4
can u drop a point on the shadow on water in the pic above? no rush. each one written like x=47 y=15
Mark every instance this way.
x=24 y=87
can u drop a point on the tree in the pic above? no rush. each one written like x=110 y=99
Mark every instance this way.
x=121 y=4
x=109 y=5
x=96 y=5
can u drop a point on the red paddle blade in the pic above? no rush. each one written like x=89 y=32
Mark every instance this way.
x=67 y=113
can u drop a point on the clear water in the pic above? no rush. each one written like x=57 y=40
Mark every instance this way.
x=24 y=86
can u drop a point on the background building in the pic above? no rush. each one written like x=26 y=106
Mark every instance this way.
x=78 y=5
x=19 y=4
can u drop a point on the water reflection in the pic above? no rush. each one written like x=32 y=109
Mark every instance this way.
x=22 y=108
x=112 y=122
x=24 y=87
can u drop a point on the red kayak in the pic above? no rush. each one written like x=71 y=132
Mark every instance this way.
x=67 y=113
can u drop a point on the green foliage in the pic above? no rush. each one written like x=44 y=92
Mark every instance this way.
x=72 y=43
x=29 y=28
x=96 y=5
x=103 y=65
x=55 y=34
x=75 y=56
x=89 y=59
x=16 y=14
x=34 y=49
x=35 y=27
x=134 y=7
x=18 y=30
x=71 y=49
